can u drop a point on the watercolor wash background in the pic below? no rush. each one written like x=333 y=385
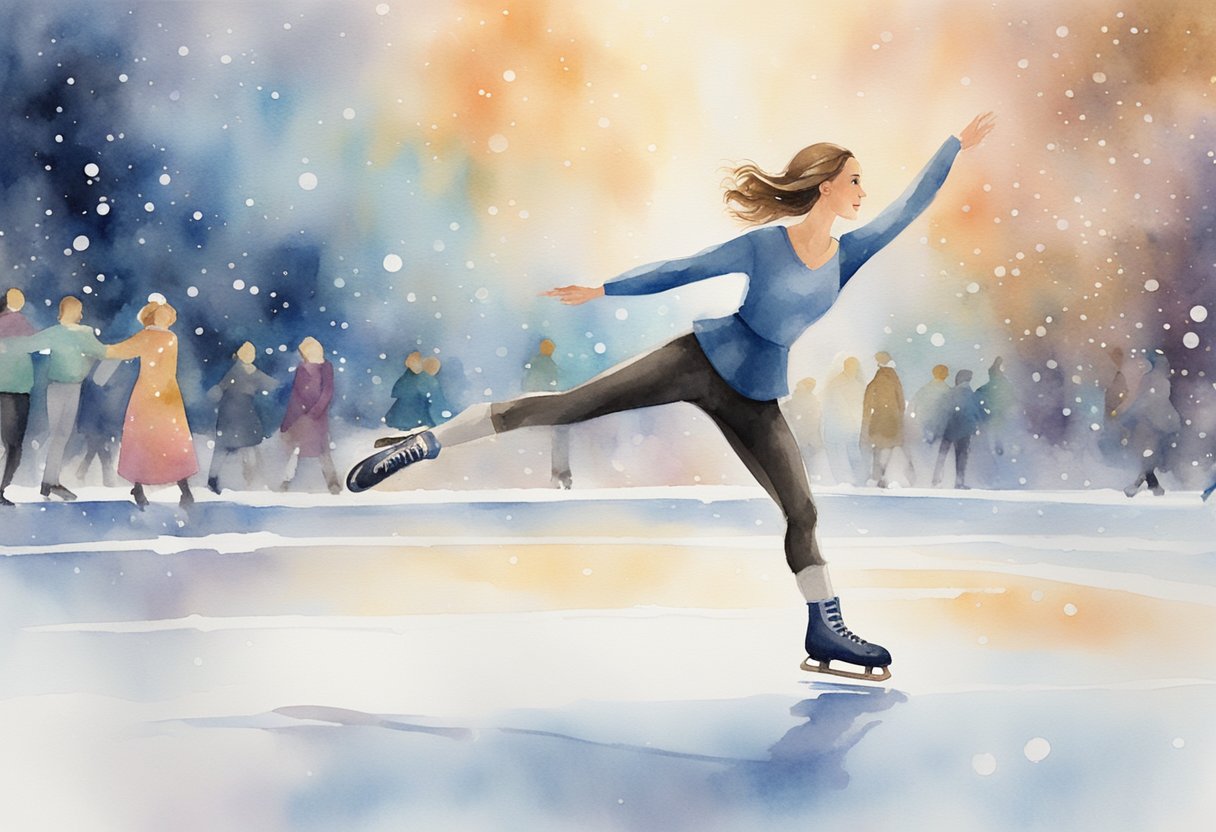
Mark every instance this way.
x=398 y=176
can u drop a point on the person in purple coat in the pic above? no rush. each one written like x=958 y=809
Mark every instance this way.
x=735 y=367
x=306 y=423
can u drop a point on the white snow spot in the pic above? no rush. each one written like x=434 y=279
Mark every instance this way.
x=392 y=263
x=183 y=50
x=999 y=271
x=482 y=293
x=1178 y=742
x=191 y=291
x=508 y=75
x=149 y=207
x=103 y=208
x=123 y=78
x=225 y=59
x=156 y=297
x=80 y=243
x=348 y=113
x=498 y=143
x=1199 y=314
x=1037 y=595
x=249 y=202
x=238 y=284
x=382 y=9
x=1037 y=749
x=937 y=339
x=91 y=170
x=1040 y=331
x=1061 y=31
x=1099 y=77
x=1062 y=224
x=1190 y=340
x=438 y=245
x=198 y=215
x=921 y=329
x=1151 y=285
x=984 y=764
x=603 y=122
x=972 y=288
x=308 y=180
x=622 y=314
x=165 y=179
x=1023 y=63
x=600 y=348
x=1070 y=609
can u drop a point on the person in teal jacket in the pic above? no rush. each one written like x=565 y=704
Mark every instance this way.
x=74 y=349
x=734 y=367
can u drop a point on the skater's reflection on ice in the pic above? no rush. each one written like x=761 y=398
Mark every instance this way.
x=810 y=758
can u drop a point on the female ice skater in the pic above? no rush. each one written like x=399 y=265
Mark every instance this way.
x=734 y=368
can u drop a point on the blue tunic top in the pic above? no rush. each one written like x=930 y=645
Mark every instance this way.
x=750 y=349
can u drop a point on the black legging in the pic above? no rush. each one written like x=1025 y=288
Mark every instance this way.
x=14 y=417
x=680 y=372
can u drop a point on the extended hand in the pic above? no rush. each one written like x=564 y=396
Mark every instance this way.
x=574 y=295
x=977 y=130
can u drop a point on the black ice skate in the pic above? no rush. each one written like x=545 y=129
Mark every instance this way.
x=380 y=466
x=828 y=640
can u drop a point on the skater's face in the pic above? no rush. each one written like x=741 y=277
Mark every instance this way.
x=843 y=192
x=14 y=300
x=246 y=353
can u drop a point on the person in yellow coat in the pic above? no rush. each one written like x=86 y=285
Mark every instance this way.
x=157 y=447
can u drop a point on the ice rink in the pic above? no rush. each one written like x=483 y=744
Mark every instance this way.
x=603 y=659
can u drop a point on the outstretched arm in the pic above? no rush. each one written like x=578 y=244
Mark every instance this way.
x=727 y=258
x=859 y=246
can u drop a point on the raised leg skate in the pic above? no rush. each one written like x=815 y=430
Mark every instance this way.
x=380 y=466
x=828 y=640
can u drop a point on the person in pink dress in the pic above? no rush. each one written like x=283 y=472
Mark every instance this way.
x=157 y=448
x=306 y=423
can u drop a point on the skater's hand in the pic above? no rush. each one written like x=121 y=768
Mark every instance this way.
x=574 y=295
x=977 y=130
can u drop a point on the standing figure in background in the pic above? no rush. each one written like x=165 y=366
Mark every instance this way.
x=1151 y=423
x=74 y=349
x=157 y=448
x=238 y=427
x=962 y=420
x=410 y=408
x=541 y=375
x=882 y=418
x=998 y=401
x=805 y=415
x=305 y=425
x=16 y=382
x=103 y=401
x=927 y=417
x=842 y=404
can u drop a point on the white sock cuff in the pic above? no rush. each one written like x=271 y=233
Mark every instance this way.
x=815 y=584
x=471 y=423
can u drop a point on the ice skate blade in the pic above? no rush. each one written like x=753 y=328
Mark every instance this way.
x=813 y=666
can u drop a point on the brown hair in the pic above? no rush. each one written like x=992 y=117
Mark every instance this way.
x=759 y=197
x=67 y=301
x=146 y=314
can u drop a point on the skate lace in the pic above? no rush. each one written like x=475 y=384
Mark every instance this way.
x=836 y=623
x=411 y=450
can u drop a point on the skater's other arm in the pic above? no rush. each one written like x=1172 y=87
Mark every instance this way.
x=860 y=245
x=731 y=257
